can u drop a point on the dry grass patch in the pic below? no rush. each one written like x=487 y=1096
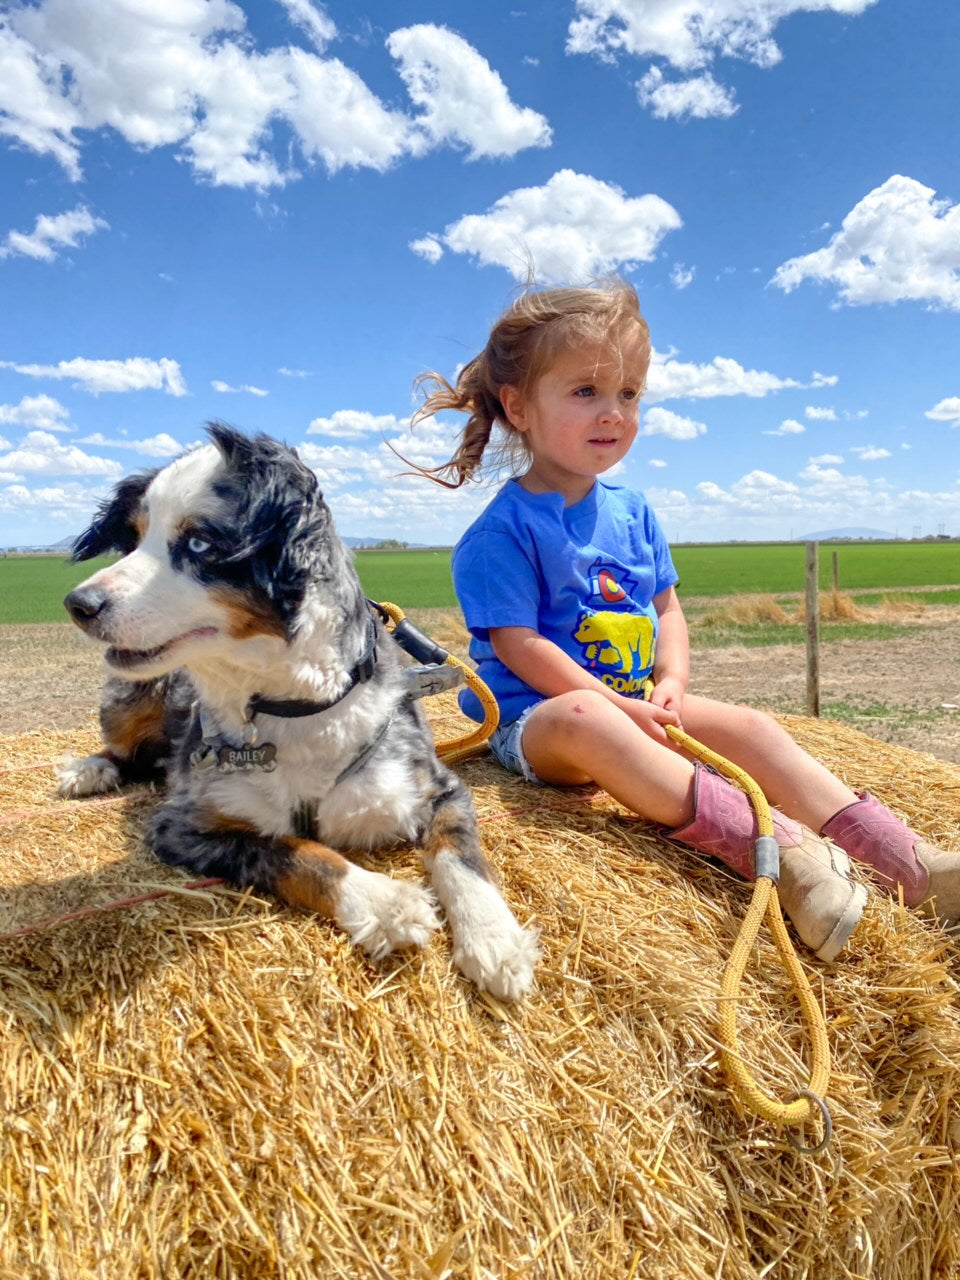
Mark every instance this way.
x=210 y=1085
x=835 y=606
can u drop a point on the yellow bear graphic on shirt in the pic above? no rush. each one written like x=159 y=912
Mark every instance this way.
x=623 y=643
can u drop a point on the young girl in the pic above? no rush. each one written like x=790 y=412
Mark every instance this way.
x=569 y=591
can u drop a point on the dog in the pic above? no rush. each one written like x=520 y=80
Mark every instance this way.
x=247 y=670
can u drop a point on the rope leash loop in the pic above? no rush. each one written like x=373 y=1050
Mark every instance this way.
x=765 y=902
x=468 y=744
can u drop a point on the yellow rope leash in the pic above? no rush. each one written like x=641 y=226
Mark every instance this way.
x=469 y=743
x=808 y=1101
x=765 y=901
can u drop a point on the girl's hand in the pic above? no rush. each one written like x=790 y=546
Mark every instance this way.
x=650 y=717
x=668 y=693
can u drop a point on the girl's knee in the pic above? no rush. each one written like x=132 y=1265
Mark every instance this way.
x=756 y=726
x=579 y=711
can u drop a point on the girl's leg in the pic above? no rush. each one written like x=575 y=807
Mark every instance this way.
x=581 y=737
x=791 y=779
x=809 y=792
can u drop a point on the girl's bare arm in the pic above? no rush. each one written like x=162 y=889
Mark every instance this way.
x=545 y=667
x=671 y=670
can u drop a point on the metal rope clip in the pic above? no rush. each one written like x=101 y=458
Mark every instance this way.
x=425 y=681
x=827 y=1124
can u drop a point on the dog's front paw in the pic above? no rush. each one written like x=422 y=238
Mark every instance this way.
x=501 y=960
x=88 y=777
x=490 y=947
x=381 y=915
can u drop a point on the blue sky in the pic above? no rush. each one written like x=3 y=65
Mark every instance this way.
x=279 y=213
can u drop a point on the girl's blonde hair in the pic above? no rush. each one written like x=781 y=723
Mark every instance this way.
x=528 y=337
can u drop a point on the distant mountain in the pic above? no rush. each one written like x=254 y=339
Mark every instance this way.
x=838 y=535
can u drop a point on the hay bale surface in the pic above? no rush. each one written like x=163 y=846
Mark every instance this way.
x=207 y=1084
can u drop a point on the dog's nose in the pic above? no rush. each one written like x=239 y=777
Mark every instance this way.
x=85 y=604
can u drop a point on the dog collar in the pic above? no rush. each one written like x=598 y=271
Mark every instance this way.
x=294 y=708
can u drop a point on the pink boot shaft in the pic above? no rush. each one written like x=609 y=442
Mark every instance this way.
x=724 y=825
x=870 y=833
x=814 y=889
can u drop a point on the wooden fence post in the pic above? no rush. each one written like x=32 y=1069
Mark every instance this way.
x=813 y=629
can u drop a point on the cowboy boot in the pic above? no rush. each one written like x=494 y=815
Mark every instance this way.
x=930 y=877
x=815 y=892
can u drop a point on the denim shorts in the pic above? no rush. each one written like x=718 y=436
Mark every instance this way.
x=505 y=743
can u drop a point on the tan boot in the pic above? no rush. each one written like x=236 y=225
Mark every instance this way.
x=929 y=877
x=824 y=905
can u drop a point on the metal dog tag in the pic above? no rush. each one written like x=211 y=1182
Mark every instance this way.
x=244 y=759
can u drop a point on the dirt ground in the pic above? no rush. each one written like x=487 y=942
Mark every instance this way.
x=907 y=692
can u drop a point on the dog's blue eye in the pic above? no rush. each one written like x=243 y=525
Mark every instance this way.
x=198 y=546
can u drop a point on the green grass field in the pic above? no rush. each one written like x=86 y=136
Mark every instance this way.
x=32 y=587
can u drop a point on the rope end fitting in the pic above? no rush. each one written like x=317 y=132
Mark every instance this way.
x=766 y=858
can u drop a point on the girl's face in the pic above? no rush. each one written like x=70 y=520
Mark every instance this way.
x=580 y=418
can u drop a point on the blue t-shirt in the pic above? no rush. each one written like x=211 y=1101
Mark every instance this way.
x=583 y=576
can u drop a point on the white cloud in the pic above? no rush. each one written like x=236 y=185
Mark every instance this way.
x=699 y=98
x=294 y=373
x=898 y=244
x=428 y=247
x=759 y=504
x=817 y=414
x=672 y=379
x=755 y=488
x=42 y=412
x=244 y=387
x=338 y=120
x=340 y=456
x=355 y=424
x=573 y=228
x=188 y=74
x=689 y=34
x=462 y=100
x=870 y=452
x=681 y=276
x=946 y=411
x=95 y=376
x=661 y=422
x=34 y=110
x=656 y=462
x=788 y=427
x=158 y=446
x=41 y=452
x=827 y=459
x=311 y=19
x=52 y=233
x=71 y=501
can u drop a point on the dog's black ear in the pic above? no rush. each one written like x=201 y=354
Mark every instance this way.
x=233 y=444
x=113 y=527
x=262 y=461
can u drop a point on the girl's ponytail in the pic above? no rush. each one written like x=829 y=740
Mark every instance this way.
x=472 y=396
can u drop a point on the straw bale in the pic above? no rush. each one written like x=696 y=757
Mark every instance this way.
x=208 y=1084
